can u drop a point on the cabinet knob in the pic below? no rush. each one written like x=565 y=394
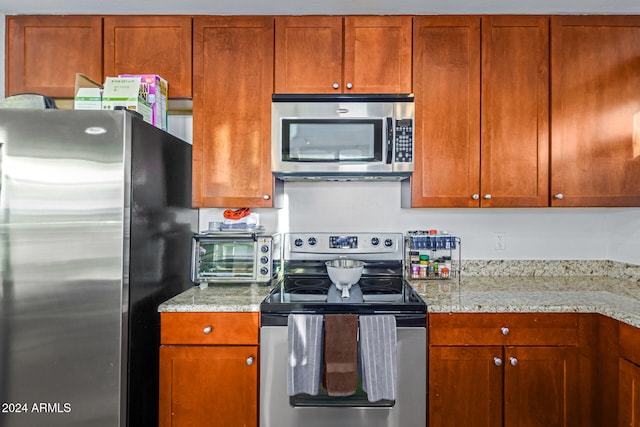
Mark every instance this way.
x=505 y=330
x=207 y=330
x=475 y=196
x=349 y=85
x=513 y=361
x=487 y=196
x=558 y=196
x=497 y=361
x=249 y=361
x=336 y=85
x=266 y=196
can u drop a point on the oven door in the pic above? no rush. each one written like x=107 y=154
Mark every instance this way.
x=223 y=259
x=277 y=409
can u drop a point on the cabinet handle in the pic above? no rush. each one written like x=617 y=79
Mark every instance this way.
x=513 y=361
x=349 y=85
x=207 y=330
x=475 y=196
x=497 y=361
x=487 y=196
x=505 y=330
x=336 y=85
x=266 y=196
x=558 y=196
x=249 y=361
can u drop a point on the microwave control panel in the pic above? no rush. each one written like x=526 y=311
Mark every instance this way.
x=403 y=141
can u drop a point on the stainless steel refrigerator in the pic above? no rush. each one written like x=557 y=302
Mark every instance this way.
x=95 y=232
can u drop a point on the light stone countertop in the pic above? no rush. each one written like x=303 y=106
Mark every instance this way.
x=511 y=287
x=218 y=297
x=612 y=297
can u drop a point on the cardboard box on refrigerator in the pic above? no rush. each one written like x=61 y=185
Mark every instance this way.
x=155 y=91
x=88 y=93
x=124 y=92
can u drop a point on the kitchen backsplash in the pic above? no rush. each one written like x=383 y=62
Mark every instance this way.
x=530 y=234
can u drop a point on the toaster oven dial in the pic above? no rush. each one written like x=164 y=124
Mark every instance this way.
x=264 y=271
x=264 y=249
x=264 y=259
x=375 y=241
x=298 y=242
x=388 y=243
x=312 y=241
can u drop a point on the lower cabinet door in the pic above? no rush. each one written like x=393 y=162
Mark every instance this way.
x=541 y=387
x=465 y=386
x=628 y=394
x=214 y=386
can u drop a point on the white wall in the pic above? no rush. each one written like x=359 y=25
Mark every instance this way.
x=291 y=7
x=541 y=233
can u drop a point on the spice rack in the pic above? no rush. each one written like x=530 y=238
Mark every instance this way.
x=432 y=255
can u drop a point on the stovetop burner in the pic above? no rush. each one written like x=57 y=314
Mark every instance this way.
x=307 y=285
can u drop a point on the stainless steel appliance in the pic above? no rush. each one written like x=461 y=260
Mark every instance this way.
x=349 y=137
x=95 y=232
x=306 y=289
x=235 y=257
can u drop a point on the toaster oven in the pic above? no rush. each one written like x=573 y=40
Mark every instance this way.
x=235 y=258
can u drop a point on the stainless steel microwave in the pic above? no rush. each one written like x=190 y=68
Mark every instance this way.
x=349 y=137
x=241 y=257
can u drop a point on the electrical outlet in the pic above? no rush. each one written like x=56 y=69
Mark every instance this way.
x=499 y=240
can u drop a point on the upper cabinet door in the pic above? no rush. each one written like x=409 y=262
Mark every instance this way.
x=331 y=54
x=447 y=123
x=44 y=53
x=233 y=84
x=377 y=54
x=595 y=110
x=150 y=45
x=308 y=54
x=514 y=167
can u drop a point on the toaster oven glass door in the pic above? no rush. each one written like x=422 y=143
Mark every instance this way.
x=226 y=260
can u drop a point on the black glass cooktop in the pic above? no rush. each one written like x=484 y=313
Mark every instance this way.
x=315 y=294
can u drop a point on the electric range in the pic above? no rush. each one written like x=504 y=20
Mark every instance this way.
x=305 y=286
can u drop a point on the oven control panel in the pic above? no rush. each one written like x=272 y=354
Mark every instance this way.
x=307 y=245
x=343 y=242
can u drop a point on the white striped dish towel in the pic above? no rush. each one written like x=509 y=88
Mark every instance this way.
x=378 y=359
x=304 y=354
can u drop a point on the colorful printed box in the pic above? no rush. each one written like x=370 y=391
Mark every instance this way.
x=154 y=90
x=124 y=92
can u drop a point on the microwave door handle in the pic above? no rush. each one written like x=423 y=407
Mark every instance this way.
x=389 y=140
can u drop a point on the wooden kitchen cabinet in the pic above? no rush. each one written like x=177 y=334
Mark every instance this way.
x=505 y=370
x=446 y=51
x=150 y=45
x=233 y=84
x=44 y=53
x=514 y=135
x=209 y=369
x=98 y=47
x=481 y=90
x=595 y=111
x=333 y=54
x=629 y=377
x=629 y=394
